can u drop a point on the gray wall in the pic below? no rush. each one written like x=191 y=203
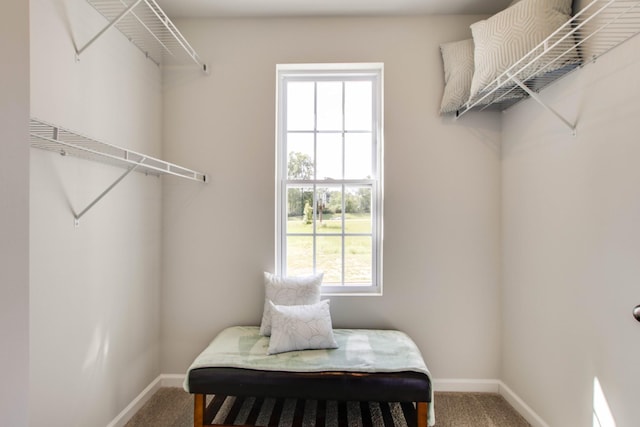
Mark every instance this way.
x=571 y=244
x=441 y=201
x=14 y=213
x=94 y=289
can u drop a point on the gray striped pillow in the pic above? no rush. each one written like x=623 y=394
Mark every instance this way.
x=507 y=36
x=457 y=58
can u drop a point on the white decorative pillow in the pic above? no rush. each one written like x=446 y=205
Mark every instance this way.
x=457 y=58
x=301 y=327
x=507 y=36
x=291 y=290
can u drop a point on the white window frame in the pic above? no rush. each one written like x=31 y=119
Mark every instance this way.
x=318 y=72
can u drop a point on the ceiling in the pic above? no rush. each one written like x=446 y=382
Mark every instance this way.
x=279 y=8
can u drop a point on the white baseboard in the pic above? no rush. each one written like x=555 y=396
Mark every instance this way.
x=522 y=408
x=490 y=386
x=440 y=385
x=172 y=380
x=163 y=380
x=466 y=385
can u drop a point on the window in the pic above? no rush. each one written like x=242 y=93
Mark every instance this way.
x=329 y=175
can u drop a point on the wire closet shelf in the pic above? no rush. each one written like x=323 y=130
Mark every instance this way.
x=146 y=25
x=594 y=30
x=49 y=137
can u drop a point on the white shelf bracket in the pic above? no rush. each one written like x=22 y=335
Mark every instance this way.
x=109 y=25
x=539 y=100
x=104 y=193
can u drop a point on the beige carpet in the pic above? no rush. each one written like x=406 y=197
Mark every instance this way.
x=173 y=407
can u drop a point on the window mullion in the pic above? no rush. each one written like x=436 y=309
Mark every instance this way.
x=315 y=175
x=314 y=231
x=283 y=175
x=344 y=224
x=343 y=168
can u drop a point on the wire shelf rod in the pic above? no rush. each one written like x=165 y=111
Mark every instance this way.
x=54 y=138
x=109 y=25
x=173 y=30
x=152 y=34
x=146 y=25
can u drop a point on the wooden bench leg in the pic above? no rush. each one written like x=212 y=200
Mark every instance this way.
x=422 y=411
x=199 y=403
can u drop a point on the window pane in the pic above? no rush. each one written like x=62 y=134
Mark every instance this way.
x=300 y=155
x=329 y=215
x=357 y=155
x=357 y=210
x=300 y=110
x=299 y=255
x=358 y=254
x=299 y=209
x=358 y=107
x=329 y=259
x=329 y=106
x=329 y=152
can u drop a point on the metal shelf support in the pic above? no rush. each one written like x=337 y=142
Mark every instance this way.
x=104 y=193
x=539 y=100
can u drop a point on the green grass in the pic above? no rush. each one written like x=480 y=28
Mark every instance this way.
x=331 y=223
x=329 y=248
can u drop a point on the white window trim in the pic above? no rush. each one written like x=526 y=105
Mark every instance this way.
x=288 y=71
